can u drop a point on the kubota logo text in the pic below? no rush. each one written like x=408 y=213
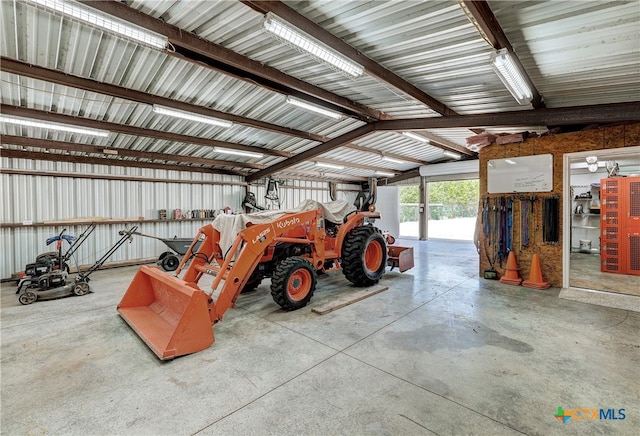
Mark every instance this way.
x=287 y=223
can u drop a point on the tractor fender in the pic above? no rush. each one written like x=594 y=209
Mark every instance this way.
x=353 y=221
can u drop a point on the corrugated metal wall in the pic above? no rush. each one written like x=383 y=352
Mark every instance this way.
x=44 y=198
x=41 y=197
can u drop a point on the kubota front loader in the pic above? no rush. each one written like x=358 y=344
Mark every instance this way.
x=175 y=317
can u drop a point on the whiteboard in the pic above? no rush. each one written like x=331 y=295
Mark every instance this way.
x=520 y=174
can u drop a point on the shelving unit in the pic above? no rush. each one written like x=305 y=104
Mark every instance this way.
x=621 y=225
x=585 y=225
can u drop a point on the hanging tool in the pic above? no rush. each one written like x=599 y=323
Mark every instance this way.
x=550 y=215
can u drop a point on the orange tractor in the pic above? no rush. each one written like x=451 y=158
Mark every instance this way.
x=175 y=317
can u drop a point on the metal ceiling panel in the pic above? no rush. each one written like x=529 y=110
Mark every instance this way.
x=577 y=53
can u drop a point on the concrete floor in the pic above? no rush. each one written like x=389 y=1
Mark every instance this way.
x=442 y=351
x=585 y=273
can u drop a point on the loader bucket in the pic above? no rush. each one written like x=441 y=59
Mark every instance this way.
x=169 y=315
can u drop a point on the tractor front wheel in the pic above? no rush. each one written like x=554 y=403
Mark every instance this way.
x=293 y=283
x=364 y=256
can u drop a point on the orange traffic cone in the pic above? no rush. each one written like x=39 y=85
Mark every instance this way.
x=535 y=276
x=511 y=275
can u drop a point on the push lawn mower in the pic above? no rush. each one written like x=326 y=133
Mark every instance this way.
x=54 y=283
x=56 y=260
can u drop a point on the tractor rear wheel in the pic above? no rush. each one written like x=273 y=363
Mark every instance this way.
x=293 y=283
x=364 y=256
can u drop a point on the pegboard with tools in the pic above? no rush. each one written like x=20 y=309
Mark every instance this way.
x=518 y=223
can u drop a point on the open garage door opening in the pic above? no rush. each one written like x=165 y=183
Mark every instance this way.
x=450 y=210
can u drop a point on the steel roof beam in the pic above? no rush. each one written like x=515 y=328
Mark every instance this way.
x=372 y=67
x=85 y=148
x=131 y=130
x=488 y=22
x=54 y=157
x=602 y=113
x=241 y=65
x=40 y=73
x=316 y=151
x=605 y=113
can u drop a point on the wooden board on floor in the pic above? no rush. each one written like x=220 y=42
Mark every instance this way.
x=349 y=299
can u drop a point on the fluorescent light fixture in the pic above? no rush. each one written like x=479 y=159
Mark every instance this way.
x=508 y=71
x=384 y=174
x=52 y=126
x=110 y=151
x=313 y=108
x=163 y=110
x=238 y=152
x=416 y=137
x=452 y=154
x=310 y=46
x=328 y=165
x=103 y=21
x=392 y=159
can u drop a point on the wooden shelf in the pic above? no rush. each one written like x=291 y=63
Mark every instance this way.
x=98 y=222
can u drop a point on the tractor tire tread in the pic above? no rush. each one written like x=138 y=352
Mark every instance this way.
x=353 y=250
x=280 y=278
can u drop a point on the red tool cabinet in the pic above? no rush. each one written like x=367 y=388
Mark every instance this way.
x=620 y=225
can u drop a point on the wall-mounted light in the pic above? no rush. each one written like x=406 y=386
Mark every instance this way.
x=310 y=46
x=163 y=110
x=504 y=65
x=391 y=159
x=328 y=165
x=103 y=21
x=52 y=126
x=452 y=154
x=416 y=137
x=313 y=108
x=238 y=152
x=384 y=174
x=592 y=163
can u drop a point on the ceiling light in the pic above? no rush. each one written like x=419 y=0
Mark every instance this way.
x=508 y=71
x=103 y=21
x=452 y=154
x=110 y=151
x=384 y=174
x=416 y=137
x=51 y=126
x=328 y=165
x=392 y=159
x=313 y=108
x=310 y=46
x=238 y=152
x=163 y=110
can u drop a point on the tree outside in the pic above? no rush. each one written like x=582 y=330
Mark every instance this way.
x=453 y=207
